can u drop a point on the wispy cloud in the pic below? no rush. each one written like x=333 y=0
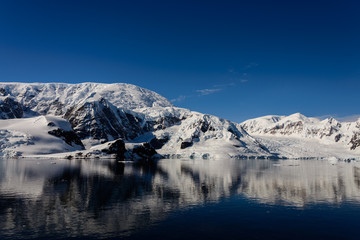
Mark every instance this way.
x=205 y=91
x=243 y=80
x=223 y=85
x=322 y=117
x=208 y=91
x=179 y=98
x=350 y=118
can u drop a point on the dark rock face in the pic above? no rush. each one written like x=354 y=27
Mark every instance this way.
x=145 y=151
x=158 y=143
x=161 y=123
x=337 y=137
x=9 y=108
x=142 y=151
x=186 y=144
x=205 y=126
x=101 y=120
x=55 y=107
x=263 y=148
x=294 y=127
x=117 y=148
x=51 y=124
x=3 y=92
x=332 y=130
x=68 y=136
x=235 y=132
x=355 y=141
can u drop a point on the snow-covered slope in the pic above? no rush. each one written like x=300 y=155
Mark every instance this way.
x=37 y=135
x=300 y=136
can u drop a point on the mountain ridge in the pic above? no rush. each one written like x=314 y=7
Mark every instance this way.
x=100 y=113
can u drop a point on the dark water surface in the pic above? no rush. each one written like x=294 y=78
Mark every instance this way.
x=179 y=199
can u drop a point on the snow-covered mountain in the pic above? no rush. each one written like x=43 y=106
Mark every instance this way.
x=179 y=132
x=297 y=132
x=95 y=114
x=99 y=113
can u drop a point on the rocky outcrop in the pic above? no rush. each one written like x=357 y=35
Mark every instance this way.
x=143 y=151
x=10 y=108
x=117 y=148
x=120 y=150
x=159 y=142
x=68 y=136
x=161 y=123
x=355 y=141
x=186 y=143
x=102 y=121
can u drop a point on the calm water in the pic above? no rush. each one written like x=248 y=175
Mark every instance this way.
x=179 y=199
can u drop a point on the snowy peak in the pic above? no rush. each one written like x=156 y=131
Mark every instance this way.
x=57 y=98
x=262 y=124
x=282 y=125
x=296 y=125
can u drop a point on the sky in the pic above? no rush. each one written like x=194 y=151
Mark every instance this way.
x=233 y=59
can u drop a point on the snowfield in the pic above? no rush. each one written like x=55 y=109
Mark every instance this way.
x=93 y=119
x=30 y=136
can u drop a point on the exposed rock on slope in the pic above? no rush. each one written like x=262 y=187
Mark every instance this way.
x=9 y=108
x=102 y=121
x=68 y=136
x=355 y=141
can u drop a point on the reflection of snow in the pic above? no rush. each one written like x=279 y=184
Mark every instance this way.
x=303 y=182
x=83 y=195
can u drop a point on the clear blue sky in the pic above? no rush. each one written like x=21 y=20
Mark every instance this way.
x=233 y=59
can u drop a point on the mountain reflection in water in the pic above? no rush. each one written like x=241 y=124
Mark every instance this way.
x=40 y=198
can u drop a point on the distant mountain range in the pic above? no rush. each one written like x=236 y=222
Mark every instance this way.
x=129 y=122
